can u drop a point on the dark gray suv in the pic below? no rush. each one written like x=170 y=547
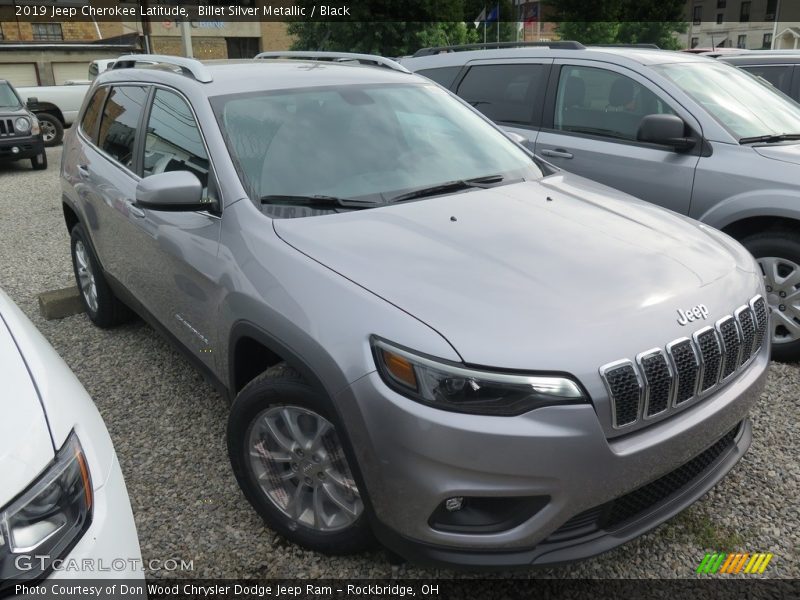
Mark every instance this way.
x=20 y=134
x=426 y=333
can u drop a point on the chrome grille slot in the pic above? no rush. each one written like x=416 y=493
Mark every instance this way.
x=747 y=325
x=686 y=367
x=710 y=355
x=658 y=382
x=759 y=306
x=663 y=381
x=731 y=344
x=626 y=390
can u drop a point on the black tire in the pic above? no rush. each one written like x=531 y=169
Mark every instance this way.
x=56 y=129
x=109 y=310
x=283 y=386
x=39 y=162
x=785 y=245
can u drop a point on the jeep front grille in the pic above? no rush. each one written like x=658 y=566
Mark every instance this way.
x=7 y=128
x=663 y=380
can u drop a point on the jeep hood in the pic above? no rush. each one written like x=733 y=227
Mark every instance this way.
x=531 y=275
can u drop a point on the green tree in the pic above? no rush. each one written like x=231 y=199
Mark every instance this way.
x=370 y=30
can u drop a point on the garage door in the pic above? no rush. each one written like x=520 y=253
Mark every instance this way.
x=65 y=71
x=19 y=74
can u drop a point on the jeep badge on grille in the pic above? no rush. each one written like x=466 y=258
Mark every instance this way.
x=692 y=314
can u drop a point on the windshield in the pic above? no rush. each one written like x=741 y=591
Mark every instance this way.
x=369 y=143
x=743 y=104
x=8 y=99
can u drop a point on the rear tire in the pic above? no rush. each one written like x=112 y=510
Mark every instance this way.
x=39 y=162
x=287 y=457
x=778 y=254
x=101 y=305
x=52 y=129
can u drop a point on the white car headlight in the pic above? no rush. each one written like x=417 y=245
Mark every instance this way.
x=456 y=388
x=22 y=125
x=48 y=518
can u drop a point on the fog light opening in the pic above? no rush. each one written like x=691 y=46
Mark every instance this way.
x=474 y=514
x=14 y=150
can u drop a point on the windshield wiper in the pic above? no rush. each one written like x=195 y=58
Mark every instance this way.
x=769 y=139
x=317 y=200
x=449 y=186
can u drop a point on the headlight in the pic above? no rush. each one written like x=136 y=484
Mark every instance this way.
x=22 y=125
x=48 y=518
x=456 y=388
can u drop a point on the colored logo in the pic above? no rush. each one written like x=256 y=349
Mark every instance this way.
x=720 y=562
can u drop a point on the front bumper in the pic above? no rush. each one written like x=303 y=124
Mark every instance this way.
x=414 y=457
x=27 y=147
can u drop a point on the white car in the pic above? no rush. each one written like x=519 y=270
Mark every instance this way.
x=64 y=508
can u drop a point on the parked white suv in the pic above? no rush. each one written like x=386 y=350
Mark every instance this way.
x=64 y=508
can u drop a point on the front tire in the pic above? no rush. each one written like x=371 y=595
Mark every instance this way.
x=778 y=255
x=52 y=129
x=288 y=459
x=101 y=305
x=39 y=162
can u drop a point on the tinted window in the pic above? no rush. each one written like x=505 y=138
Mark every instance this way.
x=173 y=141
x=601 y=102
x=779 y=76
x=443 y=75
x=505 y=93
x=120 y=121
x=92 y=115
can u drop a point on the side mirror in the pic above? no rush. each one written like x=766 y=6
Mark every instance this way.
x=516 y=137
x=173 y=191
x=666 y=130
x=33 y=100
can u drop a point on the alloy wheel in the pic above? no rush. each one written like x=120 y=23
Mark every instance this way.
x=86 y=276
x=48 y=131
x=297 y=460
x=782 y=280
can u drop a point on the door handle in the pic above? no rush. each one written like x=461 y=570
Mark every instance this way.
x=83 y=172
x=135 y=210
x=557 y=153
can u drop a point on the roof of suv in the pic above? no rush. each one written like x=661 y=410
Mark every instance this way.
x=767 y=57
x=643 y=56
x=246 y=75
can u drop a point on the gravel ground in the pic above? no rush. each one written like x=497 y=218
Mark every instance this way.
x=168 y=427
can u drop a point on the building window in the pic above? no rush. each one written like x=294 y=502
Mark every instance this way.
x=721 y=3
x=695 y=42
x=766 y=41
x=697 y=15
x=2 y=35
x=719 y=18
x=47 y=31
x=744 y=12
x=772 y=6
x=741 y=42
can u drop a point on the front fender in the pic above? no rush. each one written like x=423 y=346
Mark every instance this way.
x=758 y=203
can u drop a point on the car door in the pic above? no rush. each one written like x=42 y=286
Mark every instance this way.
x=509 y=92
x=590 y=124
x=174 y=254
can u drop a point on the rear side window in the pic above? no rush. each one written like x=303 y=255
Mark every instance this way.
x=778 y=76
x=173 y=141
x=505 y=93
x=120 y=121
x=444 y=76
x=92 y=115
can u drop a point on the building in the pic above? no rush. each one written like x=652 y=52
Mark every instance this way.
x=751 y=24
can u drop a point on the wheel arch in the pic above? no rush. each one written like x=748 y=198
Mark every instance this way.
x=70 y=215
x=750 y=225
x=754 y=211
x=49 y=108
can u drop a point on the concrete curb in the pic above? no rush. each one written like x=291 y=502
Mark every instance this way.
x=57 y=304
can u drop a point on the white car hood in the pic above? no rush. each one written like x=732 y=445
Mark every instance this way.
x=25 y=444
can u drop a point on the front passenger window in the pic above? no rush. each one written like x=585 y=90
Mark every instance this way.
x=172 y=139
x=605 y=103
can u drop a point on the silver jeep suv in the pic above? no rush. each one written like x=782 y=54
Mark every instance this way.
x=427 y=334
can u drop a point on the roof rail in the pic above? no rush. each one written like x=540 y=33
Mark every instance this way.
x=188 y=66
x=373 y=59
x=559 y=45
x=644 y=46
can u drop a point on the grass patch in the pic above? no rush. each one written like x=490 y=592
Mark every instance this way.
x=705 y=532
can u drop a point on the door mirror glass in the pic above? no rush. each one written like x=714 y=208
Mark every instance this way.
x=666 y=130
x=174 y=191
